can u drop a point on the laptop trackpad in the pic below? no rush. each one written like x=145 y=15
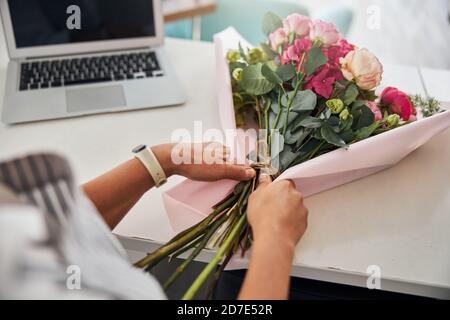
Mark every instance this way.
x=95 y=98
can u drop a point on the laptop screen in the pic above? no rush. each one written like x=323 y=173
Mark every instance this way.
x=53 y=22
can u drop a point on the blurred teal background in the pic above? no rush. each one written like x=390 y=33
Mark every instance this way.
x=246 y=17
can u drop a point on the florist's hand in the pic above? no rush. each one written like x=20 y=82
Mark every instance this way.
x=201 y=161
x=276 y=211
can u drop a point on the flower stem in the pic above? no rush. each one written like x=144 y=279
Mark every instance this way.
x=153 y=258
x=198 y=283
x=291 y=100
x=196 y=251
x=278 y=111
x=191 y=245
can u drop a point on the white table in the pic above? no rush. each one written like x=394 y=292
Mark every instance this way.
x=367 y=222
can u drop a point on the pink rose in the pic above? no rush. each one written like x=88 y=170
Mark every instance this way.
x=375 y=109
x=296 y=23
x=294 y=52
x=324 y=32
x=399 y=103
x=277 y=38
x=363 y=67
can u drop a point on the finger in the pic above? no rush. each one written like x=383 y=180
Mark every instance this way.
x=214 y=152
x=235 y=172
x=264 y=179
x=291 y=184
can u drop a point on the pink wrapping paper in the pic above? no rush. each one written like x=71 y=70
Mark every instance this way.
x=190 y=201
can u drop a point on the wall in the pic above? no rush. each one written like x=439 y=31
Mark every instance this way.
x=413 y=32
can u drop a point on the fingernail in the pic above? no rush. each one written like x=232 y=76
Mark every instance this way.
x=250 y=172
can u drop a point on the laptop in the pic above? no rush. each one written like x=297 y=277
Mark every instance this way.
x=77 y=57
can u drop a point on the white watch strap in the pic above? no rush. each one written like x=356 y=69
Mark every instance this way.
x=149 y=160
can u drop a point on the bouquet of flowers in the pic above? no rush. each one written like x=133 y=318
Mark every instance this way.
x=310 y=92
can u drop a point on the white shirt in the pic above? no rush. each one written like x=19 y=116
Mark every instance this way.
x=59 y=247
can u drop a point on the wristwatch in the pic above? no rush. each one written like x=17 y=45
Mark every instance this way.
x=149 y=160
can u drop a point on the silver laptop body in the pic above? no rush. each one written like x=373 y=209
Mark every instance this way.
x=79 y=57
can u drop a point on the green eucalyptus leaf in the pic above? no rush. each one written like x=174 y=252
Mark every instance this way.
x=314 y=60
x=304 y=101
x=350 y=95
x=300 y=117
x=253 y=81
x=282 y=119
x=268 y=71
x=286 y=72
x=311 y=123
x=274 y=106
x=271 y=22
x=330 y=136
x=285 y=98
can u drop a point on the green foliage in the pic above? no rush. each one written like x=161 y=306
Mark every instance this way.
x=304 y=101
x=314 y=60
x=350 y=95
x=242 y=53
x=366 y=132
x=268 y=70
x=271 y=22
x=286 y=72
x=428 y=106
x=268 y=51
x=363 y=117
x=253 y=81
x=310 y=123
x=330 y=136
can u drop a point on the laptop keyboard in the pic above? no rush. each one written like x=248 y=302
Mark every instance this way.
x=77 y=71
